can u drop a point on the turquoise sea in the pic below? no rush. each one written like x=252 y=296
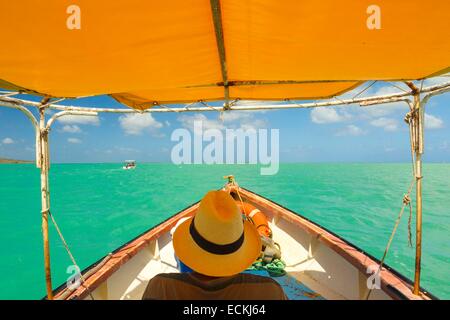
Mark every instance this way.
x=100 y=206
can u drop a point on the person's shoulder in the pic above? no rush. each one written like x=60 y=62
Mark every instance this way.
x=168 y=277
x=158 y=284
x=254 y=278
x=274 y=289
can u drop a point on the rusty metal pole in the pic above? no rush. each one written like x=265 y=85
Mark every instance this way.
x=417 y=128
x=418 y=109
x=44 y=166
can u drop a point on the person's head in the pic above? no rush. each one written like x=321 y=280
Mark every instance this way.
x=217 y=241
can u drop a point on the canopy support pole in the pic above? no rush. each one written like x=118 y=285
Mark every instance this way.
x=43 y=163
x=419 y=151
x=218 y=28
x=43 y=155
x=417 y=141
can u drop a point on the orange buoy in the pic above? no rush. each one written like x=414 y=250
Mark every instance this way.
x=257 y=217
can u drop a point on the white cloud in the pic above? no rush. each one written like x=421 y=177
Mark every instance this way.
x=432 y=122
x=74 y=140
x=380 y=110
x=350 y=130
x=231 y=116
x=243 y=119
x=188 y=121
x=383 y=110
x=444 y=145
x=387 y=124
x=136 y=123
x=369 y=113
x=329 y=115
x=126 y=150
x=230 y=119
x=432 y=81
x=71 y=119
x=381 y=116
x=7 y=141
x=71 y=128
x=254 y=124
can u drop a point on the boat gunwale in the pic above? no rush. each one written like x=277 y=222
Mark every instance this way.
x=389 y=287
x=133 y=246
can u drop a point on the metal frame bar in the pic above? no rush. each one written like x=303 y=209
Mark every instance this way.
x=363 y=101
x=238 y=83
x=218 y=28
x=68 y=113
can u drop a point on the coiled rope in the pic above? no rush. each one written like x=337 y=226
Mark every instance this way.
x=275 y=268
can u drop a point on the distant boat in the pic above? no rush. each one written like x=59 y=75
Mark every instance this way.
x=129 y=164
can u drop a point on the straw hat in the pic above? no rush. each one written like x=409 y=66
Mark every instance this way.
x=217 y=241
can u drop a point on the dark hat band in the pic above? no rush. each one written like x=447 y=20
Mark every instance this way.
x=212 y=247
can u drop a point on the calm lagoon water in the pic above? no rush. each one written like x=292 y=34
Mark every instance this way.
x=100 y=206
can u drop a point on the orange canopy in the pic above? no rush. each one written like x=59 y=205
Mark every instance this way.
x=146 y=51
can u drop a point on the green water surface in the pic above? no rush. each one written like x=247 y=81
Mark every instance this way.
x=100 y=206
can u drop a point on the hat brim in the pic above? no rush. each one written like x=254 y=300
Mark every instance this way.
x=216 y=265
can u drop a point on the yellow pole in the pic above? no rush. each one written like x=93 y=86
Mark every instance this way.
x=44 y=162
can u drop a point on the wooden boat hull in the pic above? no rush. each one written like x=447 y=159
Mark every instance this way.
x=327 y=266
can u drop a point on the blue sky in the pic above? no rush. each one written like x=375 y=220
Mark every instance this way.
x=343 y=134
